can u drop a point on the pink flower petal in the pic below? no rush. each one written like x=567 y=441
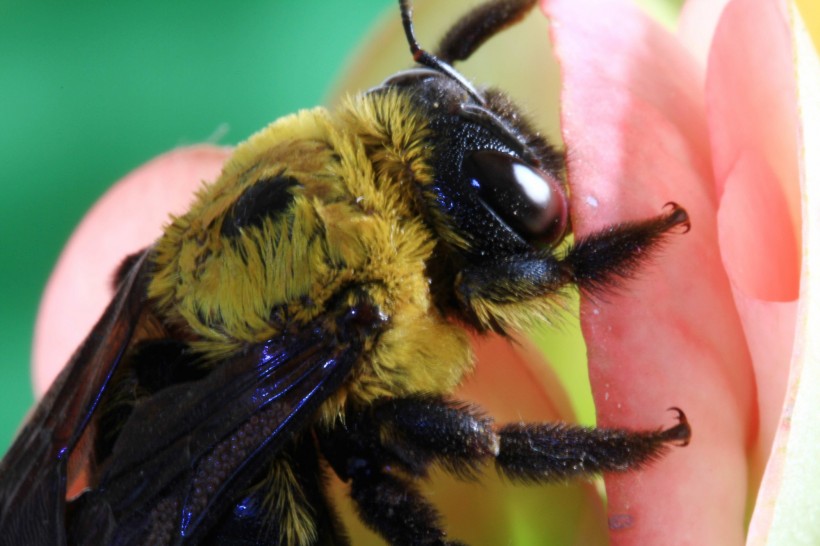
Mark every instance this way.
x=786 y=508
x=769 y=327
x=753 y=124
x=758 y=242
x=696 y=26
x=759 y=250
x=634 y=126
x=750 y=96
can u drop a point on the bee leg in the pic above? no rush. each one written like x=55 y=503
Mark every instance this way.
x=409 y=434
x=546 y=452
x=478 y=25
x=388 y=503
x=419 y=430
x=394 y=508
x=600 y=258
x=593 y=262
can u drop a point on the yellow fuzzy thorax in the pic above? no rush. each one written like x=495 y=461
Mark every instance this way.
x=353 y=221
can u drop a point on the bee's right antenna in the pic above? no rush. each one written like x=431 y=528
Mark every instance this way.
x=428 y=59
x=479 y=25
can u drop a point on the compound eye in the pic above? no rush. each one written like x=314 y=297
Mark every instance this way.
x=529 y=201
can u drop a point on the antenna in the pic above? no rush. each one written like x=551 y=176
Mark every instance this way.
x=429 y=60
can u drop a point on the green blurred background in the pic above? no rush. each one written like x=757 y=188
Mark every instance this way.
x=91 y=90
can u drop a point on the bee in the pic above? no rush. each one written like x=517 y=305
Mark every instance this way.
x=311 y=311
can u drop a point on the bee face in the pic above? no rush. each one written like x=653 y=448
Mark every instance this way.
x=496 y=180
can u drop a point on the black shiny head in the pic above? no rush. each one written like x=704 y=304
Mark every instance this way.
x=496 y=180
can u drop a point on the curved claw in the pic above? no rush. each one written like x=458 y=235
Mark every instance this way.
x=681 y=433
x=678 y=216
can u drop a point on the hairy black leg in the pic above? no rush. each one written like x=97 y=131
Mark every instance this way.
x=380 y=449
x=394 y=508
x=480 y=24
x=420 y=430
x=543 y=452
x=386 y=501
x=602 y=258
x=593 y=262
x=417 y=431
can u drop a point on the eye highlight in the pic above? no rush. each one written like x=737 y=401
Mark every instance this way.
x=531 y=202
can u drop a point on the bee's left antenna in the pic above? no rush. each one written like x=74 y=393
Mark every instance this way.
x=429 y=60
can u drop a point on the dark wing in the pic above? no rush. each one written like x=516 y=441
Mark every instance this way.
x=187 y=453
x=33 y=472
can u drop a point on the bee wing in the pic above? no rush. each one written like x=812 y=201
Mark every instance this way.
x=188 y=453
x=33 y=472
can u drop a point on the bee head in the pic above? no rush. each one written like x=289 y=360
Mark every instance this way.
x=497 y=181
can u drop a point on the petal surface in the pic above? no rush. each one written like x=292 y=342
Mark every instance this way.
x=634 y=124
x=787 y=512
x=751 y=102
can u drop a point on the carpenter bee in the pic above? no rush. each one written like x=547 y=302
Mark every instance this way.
x=311 y=311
